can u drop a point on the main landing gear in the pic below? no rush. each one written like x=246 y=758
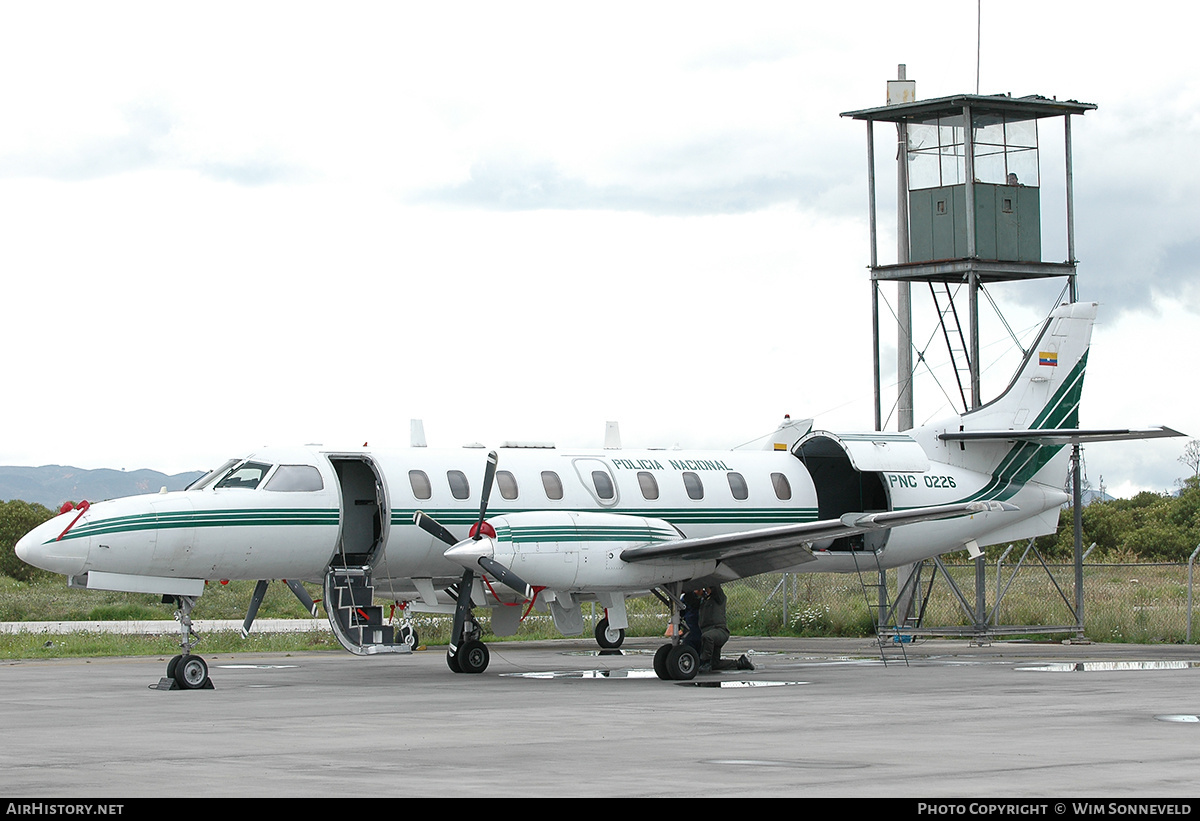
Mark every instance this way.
x=469 y=654
x=675 y=661
x=609 y=638
x=186 y=671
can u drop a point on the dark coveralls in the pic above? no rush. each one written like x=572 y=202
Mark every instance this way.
x=714 y=631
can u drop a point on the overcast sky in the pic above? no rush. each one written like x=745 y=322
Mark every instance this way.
x=234 y=224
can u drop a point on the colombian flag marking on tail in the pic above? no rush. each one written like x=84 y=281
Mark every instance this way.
x=1048 y=358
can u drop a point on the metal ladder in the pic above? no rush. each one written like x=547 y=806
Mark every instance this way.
x=876 y=595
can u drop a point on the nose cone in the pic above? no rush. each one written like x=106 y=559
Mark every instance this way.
x=468 y=552
x=42 y=548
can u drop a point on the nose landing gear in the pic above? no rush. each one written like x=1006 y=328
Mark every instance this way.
x=186 y=671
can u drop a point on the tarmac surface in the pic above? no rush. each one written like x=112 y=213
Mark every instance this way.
x=817 y=717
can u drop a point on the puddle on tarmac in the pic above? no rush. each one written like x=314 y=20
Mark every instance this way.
x=1105 y=666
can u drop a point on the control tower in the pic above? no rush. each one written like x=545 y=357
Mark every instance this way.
x=969 y=210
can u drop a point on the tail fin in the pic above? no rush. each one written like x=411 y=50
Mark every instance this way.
x=1044 y=393
x=1043 y=396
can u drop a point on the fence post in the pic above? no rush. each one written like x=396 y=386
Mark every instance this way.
x=1191 y=564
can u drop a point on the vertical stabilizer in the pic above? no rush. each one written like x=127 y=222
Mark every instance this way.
x=1043 y=395
x=1045 y=391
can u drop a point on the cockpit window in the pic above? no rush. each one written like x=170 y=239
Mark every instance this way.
x=210 y=477
x=247 y=475
x=296 y=479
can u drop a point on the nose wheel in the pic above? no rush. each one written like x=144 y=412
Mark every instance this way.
x=186 y=671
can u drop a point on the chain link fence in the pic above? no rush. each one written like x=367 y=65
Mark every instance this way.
x=1122 y=603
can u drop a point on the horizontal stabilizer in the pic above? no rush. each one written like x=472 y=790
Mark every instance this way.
x=1059 y=436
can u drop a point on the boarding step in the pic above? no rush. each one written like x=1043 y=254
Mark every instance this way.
x=358 y=623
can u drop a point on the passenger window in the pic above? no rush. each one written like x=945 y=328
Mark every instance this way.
x=695 y=489
x=296 y=479
x=649 y=485
x=508 y=484
x=460 y=488
x=422 y=488
x=552 y=484
x=603 y=483
x=246 y=476
x=783 y=488
x=737 y=486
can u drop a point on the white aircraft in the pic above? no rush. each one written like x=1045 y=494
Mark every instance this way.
x=571 y=526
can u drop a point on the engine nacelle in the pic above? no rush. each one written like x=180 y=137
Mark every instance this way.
x=565 y=550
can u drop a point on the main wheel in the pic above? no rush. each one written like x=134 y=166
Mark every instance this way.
x=452 y=662
x=171 y=665
x=191 y=672
x=609 y=638
x=660 y=662
x=408 y=635
x=473 y=657
x=682 y=663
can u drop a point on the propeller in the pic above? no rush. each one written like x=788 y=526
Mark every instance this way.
x=498 y=571
x=260 y=592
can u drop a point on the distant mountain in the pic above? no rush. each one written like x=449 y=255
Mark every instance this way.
x=51 y=485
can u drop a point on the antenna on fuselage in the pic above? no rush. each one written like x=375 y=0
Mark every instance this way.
x=612 y=436
x=416 y=433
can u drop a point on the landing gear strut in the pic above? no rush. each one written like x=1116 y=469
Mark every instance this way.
x=186 y=671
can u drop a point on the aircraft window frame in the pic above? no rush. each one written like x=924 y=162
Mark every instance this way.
x=295 y=479
x=507 y=484
x=421 y=486
x=782 y=487
x=460 y=486
x=738 y=486
x=207 y=479
x=648 y=485
x=243 y=484
x=693 y=485
x=606 y=490
x=552 y=484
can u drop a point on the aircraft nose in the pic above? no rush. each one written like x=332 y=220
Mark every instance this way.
x=41 y=547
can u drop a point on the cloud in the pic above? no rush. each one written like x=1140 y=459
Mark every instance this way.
x=149 y=138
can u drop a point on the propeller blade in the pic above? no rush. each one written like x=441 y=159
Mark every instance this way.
x=434 y=529
x=256 y=600
x=505 y=576
x=302 y=595
x=462 y=610
x=489 y=474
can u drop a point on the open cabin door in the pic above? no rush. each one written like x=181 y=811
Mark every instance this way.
x=365 y=512
x=847 y=471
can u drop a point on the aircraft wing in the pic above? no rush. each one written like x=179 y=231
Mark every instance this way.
x=1059 y=436
x=774 y=548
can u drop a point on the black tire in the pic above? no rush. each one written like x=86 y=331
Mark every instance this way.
x=660 y=662
x=473 y=657
x=682 y=663
x=191 y=672
x=608 y=639
x=171 y=665
x=452 y=662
